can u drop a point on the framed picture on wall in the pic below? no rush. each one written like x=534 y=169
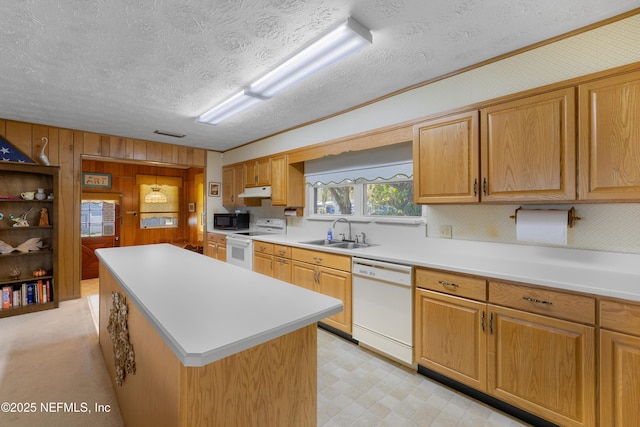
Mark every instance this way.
x=96 y=180
x=214 y=189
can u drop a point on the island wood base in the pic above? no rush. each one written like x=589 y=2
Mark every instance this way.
x=271 y=384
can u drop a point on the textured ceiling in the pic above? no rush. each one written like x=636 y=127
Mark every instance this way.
x=129 y=67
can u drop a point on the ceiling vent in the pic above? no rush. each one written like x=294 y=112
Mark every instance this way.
x=171 y=134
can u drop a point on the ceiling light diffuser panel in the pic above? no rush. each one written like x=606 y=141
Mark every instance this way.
x=338 y=43
x=347 y=38
x=232 y=106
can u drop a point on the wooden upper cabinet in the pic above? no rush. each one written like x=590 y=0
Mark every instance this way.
x=287 y=182
x=445 y=155
x=609 y=128
x=528 y=148
x=279 y=180
x=257 y=172
x=228 y=186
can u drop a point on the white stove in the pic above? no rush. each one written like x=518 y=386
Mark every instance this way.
x=240 y=244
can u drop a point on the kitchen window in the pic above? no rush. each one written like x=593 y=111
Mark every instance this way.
x=371 y=185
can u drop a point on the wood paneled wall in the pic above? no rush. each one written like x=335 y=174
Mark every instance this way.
x=123 y=181
x=66 y=149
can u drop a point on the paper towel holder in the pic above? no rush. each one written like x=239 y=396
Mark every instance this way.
x=571 y=216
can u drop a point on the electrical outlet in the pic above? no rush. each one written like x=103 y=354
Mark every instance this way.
x=445 y=231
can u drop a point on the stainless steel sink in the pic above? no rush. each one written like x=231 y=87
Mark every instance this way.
x=337 y=244
x=322 y=242
x=351 y=245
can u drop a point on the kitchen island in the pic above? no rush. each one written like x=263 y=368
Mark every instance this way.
x=213 y=344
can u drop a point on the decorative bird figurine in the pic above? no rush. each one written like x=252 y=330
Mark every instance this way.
x=43 y=157
x=20 y=221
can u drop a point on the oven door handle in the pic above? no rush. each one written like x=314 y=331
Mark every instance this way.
x=238 y=242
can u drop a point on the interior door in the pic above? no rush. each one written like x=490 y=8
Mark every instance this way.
x=100 y=228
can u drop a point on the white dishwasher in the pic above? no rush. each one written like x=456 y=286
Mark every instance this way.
x=383 y=307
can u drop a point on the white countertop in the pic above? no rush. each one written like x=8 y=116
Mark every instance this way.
x=599 y=273
x=206 y=309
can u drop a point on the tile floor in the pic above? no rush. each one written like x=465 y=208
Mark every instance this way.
x=359 y=388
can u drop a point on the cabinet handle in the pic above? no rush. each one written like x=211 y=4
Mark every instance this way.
x=537 y=301
x=484 y=187
x=491 y=323
x=262 y=248
x=317 y=259
x=281 y=252
x=475 y=187
x=482 y=320
x=443 y=283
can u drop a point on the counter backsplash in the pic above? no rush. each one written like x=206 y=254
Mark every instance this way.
x=608 y=227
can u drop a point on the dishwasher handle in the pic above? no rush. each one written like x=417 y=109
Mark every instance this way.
x=400 y=268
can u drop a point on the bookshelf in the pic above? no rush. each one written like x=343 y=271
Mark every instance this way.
x=28 y=256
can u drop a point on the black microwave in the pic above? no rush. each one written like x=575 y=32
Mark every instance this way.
x=230 y=221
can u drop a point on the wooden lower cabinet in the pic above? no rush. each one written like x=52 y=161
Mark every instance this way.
x=619 y=363
x=329 y=281
x=263 y=258
x=263 y=264
x=282 y=263
x=450 y=338
x=505 y=346
x=216 y=246
x=543 y=365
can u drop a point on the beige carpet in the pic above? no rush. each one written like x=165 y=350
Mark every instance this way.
x=51 y=360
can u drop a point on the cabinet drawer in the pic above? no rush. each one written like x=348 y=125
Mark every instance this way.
x=217 y=238
x=282 y=251
x=620 y=316
x=577 y=308
x=263 y=248
x=453 y=284
x=325 y=259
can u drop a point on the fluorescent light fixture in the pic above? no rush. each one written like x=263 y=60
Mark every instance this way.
x=236 y=104
x=338 y=43
x=345 y=39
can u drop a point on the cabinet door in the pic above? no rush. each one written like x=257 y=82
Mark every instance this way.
x=450 y=337
x=263 y=263
x=282 y=269
x=619 y=385
x=211 y=250
x=445 y=155
x=337 y=284
x=263 y=172
x=249 y=173
x=279 y=181
x=528 y=148
x=543 y=365
x=304 y=275
x=610 y=138
x=222 y=253
x=228 y=186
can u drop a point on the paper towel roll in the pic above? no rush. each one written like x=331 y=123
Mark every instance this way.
x=542 y=226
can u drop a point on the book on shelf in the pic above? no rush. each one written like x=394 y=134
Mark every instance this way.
x=6 y=296
x=38 y=292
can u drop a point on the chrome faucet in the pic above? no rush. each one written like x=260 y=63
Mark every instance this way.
x=348 y=223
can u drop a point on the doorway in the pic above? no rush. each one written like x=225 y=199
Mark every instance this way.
x=99 y=227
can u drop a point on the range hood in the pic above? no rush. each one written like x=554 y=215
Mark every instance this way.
x=256 y=192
